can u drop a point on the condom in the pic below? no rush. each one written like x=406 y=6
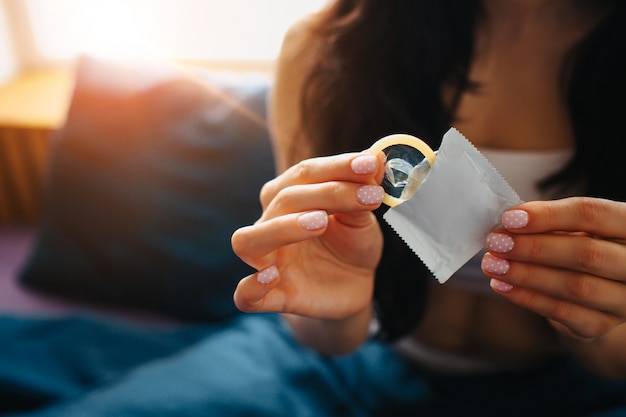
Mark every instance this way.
x=408 y=161
x=451 y=200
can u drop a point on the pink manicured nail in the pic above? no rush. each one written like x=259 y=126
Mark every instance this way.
x=495 y=265
x=267 y=275
x=499 y=242
x=365 y=164
x=313 y=220
x=501 y=286
x=370 y=194
x=515 y=219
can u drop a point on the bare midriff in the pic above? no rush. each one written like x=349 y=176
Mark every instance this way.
x=484 y=327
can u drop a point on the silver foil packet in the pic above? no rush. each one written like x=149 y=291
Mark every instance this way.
x=459 y=201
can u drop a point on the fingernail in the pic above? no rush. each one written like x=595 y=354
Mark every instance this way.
x=499 y=242
x=313 y=220
x=370 y=194
x=267 y=275
x=365 y=164
x=501 y=286
x=515 y=219
x=495 y=265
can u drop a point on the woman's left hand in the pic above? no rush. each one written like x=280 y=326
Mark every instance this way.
x=565 y=260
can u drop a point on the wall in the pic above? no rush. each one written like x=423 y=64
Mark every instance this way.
x=9 y=65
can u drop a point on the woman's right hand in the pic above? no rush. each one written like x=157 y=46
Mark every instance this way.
x=317 y=243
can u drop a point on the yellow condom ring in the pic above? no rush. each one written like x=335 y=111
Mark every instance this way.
x=401 y=139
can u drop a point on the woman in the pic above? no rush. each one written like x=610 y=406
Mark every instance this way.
x=528 y=82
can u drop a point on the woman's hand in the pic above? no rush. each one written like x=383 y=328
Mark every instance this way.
x=317 y=243
x=565 y=260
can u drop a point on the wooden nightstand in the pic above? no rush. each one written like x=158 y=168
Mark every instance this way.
x=32 y=106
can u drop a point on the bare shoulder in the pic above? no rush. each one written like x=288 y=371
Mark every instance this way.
x=297 y=55
x=298 y=38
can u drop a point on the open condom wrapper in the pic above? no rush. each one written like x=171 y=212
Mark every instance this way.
x=459 y=200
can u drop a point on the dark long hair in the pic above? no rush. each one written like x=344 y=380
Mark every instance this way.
x=382 y=69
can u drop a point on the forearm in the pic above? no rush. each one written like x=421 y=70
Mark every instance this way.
x=332 y=336
x=606 y=355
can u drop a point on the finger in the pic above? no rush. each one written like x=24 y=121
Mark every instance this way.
x=333 y=197
x=352 y=167
x=600 y=217
x=566 y=331
x=586 y=290
x=584 y=322
x=576 y=252
x=254 y=243
x=252 y=292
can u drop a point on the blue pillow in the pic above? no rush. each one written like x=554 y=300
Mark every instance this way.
x=154 y=169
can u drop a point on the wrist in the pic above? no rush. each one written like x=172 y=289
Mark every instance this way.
x=332 y=336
